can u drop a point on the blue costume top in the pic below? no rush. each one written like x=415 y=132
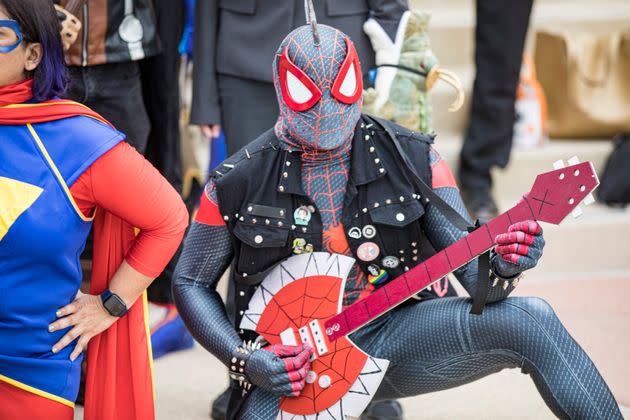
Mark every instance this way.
x=42 y=235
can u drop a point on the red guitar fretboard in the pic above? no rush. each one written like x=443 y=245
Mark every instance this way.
x=433 y=269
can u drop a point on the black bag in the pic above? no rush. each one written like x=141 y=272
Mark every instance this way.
x=614 y=188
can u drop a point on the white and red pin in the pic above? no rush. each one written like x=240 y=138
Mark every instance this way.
x=368 y=251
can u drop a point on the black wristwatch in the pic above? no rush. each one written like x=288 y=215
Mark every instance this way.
x=113 y=303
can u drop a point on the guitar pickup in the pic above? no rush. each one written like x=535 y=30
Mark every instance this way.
x=318 y=336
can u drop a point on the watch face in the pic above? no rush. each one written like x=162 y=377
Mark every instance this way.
x=115 y=306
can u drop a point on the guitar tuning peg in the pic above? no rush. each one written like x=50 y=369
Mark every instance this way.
x=574 y=160
x=577 y=212
x=558 y=164
x=589 y=199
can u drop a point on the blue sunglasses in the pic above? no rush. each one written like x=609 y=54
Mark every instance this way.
x=15 y=27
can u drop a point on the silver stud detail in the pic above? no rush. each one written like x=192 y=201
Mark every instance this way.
x=236 y=215
x=226 y=218
x=400 y=217
x=415 y=251
x=281 y=212
x=288 y=163
x=244 y=274
x=241 y=293
x=267 y=221
x=376 y=205
x=304 y=229
x=382 y=170
x=495 y=282
x=415 y=258
x=406 y=268
x=258 y=239
x=285 y=174
x=402 y=198
x=234 y=360
x=364 y=210
x=280 y=224
x=377 y=160
x=401 y=251
x=505 y=284
x=372 y=149
x=281 y=188
x=242 y=219
x=367 y=137
x=241 y=312
x=402 y=259
x=414 y=243
x=250 y=208
x=293 y=227
x=254 y=221
x=388 y=201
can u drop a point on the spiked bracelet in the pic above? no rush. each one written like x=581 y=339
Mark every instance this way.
x=240 y=356
x=505 y=282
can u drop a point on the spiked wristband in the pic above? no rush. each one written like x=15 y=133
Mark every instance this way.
x=496 y=279
x=240 y=356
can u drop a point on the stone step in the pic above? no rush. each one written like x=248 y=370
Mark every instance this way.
x=453 y=24
x=518 y=177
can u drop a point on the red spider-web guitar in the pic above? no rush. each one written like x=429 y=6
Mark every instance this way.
x=300 y=301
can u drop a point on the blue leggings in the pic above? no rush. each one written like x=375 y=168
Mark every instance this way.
x=437 y=344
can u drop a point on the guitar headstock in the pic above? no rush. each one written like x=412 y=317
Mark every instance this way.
x=557 y=193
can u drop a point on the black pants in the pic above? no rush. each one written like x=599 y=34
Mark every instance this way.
x=113 y=90
x=500 y=38
x=160 y=87
x=248 y=108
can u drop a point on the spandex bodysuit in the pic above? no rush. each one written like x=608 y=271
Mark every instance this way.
x=432 y=345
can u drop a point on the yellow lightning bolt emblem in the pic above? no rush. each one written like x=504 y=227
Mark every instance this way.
x=15 y=198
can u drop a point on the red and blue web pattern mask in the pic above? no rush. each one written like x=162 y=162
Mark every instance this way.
x=319 y=89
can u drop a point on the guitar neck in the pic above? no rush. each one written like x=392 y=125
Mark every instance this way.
x=433 y=269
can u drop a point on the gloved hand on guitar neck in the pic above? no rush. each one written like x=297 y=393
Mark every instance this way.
x=280 y=370
x=519 y=249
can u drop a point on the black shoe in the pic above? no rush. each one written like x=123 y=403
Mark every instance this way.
x=480 y=205
x=383 y=410
x=218 y=409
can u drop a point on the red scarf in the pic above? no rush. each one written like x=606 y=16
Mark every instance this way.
x=16 y=93
x=119 y=382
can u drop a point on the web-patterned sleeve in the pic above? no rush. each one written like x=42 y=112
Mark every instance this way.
x=443 y=233
x=206 y=255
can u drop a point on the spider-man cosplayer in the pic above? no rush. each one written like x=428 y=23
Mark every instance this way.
x=327 y=178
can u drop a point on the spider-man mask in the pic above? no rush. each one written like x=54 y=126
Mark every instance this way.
x=319 y=89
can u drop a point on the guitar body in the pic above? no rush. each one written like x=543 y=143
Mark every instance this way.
x=290 y=307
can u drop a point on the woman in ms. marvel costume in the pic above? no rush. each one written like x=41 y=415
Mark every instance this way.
x=327 y=178
x=62 y=169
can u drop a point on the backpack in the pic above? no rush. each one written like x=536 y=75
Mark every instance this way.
x=614 y=187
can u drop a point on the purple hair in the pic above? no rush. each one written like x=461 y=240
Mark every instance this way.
x=39 y=23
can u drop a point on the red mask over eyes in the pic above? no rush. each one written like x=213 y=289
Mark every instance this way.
x=300 y=92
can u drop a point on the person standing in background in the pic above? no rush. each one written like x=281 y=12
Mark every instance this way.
x=234 y=44
x=103 y=62
x=160 y=90
x=499 y=43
